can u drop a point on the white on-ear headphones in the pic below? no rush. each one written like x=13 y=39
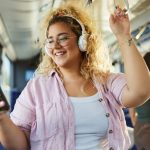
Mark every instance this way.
x=82 y=42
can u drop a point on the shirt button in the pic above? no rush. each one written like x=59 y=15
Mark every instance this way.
x=107 y=114
x=110 y=131
x=111 y=148
x=100 y=99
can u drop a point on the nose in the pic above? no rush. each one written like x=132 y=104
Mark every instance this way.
x=56 y=45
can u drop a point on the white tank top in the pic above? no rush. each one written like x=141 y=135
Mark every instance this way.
x=91 y=123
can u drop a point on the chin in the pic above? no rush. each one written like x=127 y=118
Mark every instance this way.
x=61 y=64
x=64 y=66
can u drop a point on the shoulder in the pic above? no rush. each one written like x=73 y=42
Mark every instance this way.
x=116 y=83
x=115 y=79
x=35 y=89
x=43 y=78
x=112 y=76
x=43 y=83
x=39 y=80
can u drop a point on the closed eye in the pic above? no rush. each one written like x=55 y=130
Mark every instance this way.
x=62 y=39
x=50 y=41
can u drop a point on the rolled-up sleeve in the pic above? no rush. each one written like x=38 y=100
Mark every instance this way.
x=116 y=84
x=23 y=114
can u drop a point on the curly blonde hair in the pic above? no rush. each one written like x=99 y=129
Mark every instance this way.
x=95 y=59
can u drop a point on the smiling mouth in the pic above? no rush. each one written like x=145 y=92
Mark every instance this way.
x=61 y=53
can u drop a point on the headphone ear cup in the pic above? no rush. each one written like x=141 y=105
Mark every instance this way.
x=47 y=51
x=82 y=43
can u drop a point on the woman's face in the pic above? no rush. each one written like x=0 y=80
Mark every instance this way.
x=62 y=45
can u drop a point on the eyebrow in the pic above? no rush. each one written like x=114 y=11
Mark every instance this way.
x=63 y=33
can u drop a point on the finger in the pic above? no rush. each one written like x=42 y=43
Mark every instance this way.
x=121 y=14
x=117 y=6
x=2 y=103
x=119 y=10
x=127 y=17
x=125 y=10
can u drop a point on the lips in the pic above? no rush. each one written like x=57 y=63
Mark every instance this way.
x=60 y=53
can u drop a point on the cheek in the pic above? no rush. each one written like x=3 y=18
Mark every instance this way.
x=73 y=46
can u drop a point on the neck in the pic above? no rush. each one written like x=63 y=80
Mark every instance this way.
x=76 y=85
x=71 y=74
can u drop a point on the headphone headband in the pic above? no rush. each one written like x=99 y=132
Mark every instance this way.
x=80 y=23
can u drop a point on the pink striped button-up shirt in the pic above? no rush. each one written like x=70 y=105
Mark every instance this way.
x=44 y=109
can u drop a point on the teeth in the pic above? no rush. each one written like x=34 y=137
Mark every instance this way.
x=59 y=53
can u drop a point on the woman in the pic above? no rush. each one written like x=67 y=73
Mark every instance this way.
x=75 y=102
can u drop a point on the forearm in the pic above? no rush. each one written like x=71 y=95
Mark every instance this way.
x=11 y=137
x=138 y=78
